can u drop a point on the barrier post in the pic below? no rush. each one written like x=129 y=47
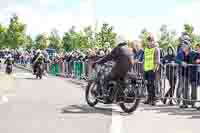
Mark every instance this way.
x=74 y=69
x=83 y=70
x=56 y=69
x=78 y=69
x=63 y=68
x=53 y=71
x=67 y=68
x=47 y=67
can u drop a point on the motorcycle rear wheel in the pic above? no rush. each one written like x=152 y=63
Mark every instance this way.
x=128 y=106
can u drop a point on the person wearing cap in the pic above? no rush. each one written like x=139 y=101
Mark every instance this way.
x=184 y=57
x=184 y=40
x=151 y=67
x=123 y=58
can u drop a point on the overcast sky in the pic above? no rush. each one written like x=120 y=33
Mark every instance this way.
x=127 y=16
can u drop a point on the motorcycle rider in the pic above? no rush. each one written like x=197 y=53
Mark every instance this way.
x=122 y=56
x=9 y=60
x=37 y=59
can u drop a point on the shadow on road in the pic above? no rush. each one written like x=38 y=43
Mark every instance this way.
x=85 y=109
x=82 y=84
x=75 y=82
x=175 y=110
x=33 y=78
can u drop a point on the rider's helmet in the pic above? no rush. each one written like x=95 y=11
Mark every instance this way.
x=9 y=56
x=121 y=40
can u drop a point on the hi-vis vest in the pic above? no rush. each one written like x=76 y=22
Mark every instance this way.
x=149 y=59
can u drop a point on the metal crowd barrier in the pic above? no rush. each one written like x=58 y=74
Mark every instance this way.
x=173 y=81
x=73 y=69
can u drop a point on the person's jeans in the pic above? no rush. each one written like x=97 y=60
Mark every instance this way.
x=150 y=77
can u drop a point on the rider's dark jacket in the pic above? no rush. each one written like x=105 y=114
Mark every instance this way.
x=122 y=57
x=9 y=61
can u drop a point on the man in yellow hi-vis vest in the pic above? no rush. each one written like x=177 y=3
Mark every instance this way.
x=151 y=66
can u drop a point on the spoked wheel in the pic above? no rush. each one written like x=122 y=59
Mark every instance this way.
x=131 y=101
x=90 y=93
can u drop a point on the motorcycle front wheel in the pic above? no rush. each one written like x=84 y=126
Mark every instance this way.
x=89 y=94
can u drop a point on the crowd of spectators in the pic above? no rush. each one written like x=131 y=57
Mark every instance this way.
x=185 y=55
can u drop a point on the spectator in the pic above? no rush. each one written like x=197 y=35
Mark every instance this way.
x=184 y=57
x=139 y=52
x=194 y=75
x=171 y=73
x=101 y=53
x=151 y=66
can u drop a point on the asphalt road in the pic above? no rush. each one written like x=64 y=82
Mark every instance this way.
x=57 y=105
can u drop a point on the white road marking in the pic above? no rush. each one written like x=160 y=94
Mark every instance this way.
x=117 y=122
x=3 y=99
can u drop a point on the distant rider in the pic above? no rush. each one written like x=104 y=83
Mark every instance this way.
x=9 y=60
x=37 y=59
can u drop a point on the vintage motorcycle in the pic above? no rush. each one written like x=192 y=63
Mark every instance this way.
x=120 y=92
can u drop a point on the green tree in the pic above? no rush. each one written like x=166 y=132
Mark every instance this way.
x=67 y=42
x=82 y=41
x=29 y=43
x=55 y=41
x=90 y=37
x=2 y=36
x=196 y=38
x=15 y=35
x=76 y=40
x=143 y=31
x=73 y=36
x=41 y=41
x=105 y=35
x=143 y=37
x=167 y=38
x=188 y=28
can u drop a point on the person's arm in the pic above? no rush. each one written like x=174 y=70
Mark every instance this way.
x=141 y=56
x=109 y=57
x=157 y=58
x=5 y=61
x=179 y=58
x=33 y=60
